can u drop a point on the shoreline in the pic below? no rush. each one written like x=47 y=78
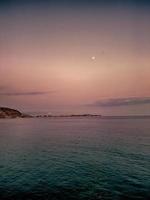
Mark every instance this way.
x=84 y=116
x=9 y=113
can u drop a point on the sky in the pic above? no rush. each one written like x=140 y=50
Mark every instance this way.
x=75 y=56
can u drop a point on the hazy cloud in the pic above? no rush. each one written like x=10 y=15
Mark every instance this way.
x=33 y=93
x=122 y=101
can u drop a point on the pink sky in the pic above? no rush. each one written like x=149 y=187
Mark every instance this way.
x=46 y=57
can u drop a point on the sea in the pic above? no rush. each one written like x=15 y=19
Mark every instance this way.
x=74 y=159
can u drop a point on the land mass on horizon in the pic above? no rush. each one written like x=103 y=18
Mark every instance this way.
x=8 y=113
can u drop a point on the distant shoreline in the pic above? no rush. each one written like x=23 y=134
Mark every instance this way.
x=94 y=116
x=8 y=113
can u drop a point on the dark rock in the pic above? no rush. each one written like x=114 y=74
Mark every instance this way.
x=11 y=113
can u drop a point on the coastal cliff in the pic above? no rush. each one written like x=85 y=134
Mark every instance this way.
x=11 y=113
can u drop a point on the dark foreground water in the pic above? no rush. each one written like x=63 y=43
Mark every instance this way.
x=80 y=159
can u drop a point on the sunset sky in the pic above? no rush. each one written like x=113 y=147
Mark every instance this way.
x=75 y=56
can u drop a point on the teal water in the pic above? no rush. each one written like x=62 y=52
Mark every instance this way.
x=79 y=159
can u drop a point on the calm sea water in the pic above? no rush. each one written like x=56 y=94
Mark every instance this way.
x=76 y=159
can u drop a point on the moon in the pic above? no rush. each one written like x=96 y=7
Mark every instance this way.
x=93 y=57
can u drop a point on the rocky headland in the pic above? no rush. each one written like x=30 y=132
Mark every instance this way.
x=11 y=113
